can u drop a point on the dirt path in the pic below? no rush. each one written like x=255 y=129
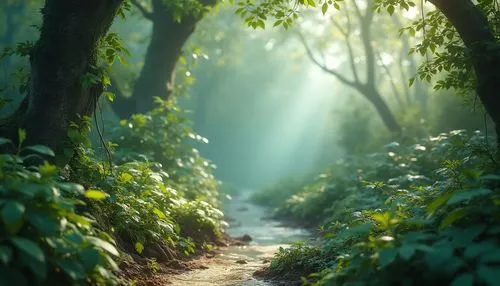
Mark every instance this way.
x=235 y=265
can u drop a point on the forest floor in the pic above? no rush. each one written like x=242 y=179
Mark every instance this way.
x=236 y=264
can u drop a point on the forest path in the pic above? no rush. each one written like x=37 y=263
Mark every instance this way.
x=235 y=265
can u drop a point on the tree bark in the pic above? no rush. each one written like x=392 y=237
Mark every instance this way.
x=157 y=75
x=477 y=35
x=371 y=93
x=66 y=51
x=367 y=88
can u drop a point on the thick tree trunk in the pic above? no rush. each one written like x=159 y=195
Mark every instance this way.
x=156 y=78
x=382 y=108
x=66 y=51
x=475 y=31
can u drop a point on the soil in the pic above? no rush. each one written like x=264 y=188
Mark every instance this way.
x=243 y=262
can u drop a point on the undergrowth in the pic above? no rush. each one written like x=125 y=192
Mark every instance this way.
x=159 y=201
x=422 y=214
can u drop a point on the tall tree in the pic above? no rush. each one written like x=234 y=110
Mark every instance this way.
x=171 y=30
x=478 y=36
x=366 y=86
x=65 y=54
x=472 y=20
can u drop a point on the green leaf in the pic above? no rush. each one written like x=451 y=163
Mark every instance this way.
x=490 y=177
x=21 y=134
x=4 y=141
x=435 y=204
x=438 y=257
x=43 y=222
x=47 y=169
x=411 y=81
x=95 y=195
x=491 y=256
x=489 y=274
x=475 y=249
x=407 y=251
x=29 y=247
x=139 y=247
x=12 y=214
x=109 y=96
x=90 y=258
x=390 y=9
x=41 y=149
x=103 y=244
x=453 y=217
x=72 y=188
x=465 y=279
x=467 y=195
x=159 y=213
x=72 y=268
x=5 y=254
x=454 y=265
x=466 y=236
x=387 y=256
x=324 y=8
x=39 y=268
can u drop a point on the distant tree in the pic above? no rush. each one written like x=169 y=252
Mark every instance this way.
x=461 y=35
x=366 y=85
x=173 y=24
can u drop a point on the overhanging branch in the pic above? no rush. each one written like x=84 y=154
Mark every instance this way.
x=323 y=65
x=145 y=13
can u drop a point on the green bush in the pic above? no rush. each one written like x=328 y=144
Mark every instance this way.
x=43 y=240
x=164 y=135
x=143 y=206
x=52 y=232
x=300 y=257
x=160 y=192
x=417 y=214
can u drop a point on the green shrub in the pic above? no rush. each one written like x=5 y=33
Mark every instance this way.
x=298 y=258
x=143 y=207
x=161 y=192
x=417 y=214
x=164 y=135
x=43 y=240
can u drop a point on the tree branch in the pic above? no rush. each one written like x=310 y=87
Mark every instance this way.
x=145 y=13
x=387 y=71
x=366 y=22
x=323 y=65
x=358 y=10
x=347 y=35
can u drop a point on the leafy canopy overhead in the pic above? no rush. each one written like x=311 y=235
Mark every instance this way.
x=447 y=57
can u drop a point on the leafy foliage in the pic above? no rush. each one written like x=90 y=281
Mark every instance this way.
x=161 y=192
x=52 y=230
x=167 y=137
x=447 y=57
x=43 y=240
x=423 y=213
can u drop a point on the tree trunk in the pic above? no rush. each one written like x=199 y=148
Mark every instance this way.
x=475 y=31
x=383 y=110
x=66 y=51
x=156 y=78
